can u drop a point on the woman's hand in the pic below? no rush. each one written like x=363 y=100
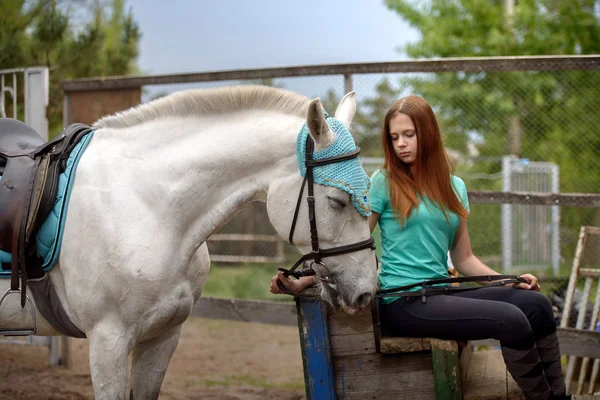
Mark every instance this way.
x=532 y=283
x=292 y=285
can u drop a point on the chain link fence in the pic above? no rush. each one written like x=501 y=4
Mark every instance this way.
x=510 y=124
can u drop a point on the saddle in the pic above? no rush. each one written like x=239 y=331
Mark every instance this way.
x=29 y=170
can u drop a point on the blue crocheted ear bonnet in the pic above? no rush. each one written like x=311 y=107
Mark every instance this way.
x=347 y=175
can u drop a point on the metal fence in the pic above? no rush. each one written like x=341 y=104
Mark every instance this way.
x=29 y=87
x=536 y=110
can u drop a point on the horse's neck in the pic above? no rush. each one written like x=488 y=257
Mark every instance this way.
x=206 y=170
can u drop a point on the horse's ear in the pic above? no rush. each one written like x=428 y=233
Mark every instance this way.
x=346 y=109
x=317 y=127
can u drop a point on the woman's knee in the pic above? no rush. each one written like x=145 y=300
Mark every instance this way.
x=538 y=310
x=513 y=324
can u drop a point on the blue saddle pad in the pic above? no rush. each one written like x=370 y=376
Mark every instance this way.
x=49 y=237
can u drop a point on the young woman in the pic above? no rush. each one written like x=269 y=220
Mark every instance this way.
x=422 y=213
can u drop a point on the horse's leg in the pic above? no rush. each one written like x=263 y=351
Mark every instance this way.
x=109 y=346
x=149 y=365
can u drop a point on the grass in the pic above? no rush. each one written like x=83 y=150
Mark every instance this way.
x=249 y=281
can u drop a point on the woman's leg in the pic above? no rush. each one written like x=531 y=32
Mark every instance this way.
x=456 y=317
x=538 y=310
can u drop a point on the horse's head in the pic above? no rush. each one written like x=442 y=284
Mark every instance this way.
x=337 y=245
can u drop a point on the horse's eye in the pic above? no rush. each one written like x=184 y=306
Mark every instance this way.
x=336 y=202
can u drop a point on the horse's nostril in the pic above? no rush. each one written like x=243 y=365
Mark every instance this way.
x=363 y=300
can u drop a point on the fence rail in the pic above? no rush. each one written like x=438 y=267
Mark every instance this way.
x=467 y=64
x=240 y=237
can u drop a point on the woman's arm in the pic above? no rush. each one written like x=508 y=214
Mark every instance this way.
x=468 y=264
x=373 y=219
x=462 y=255
x=294 y=285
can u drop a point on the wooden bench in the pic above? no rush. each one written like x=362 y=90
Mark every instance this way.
x=344 y=358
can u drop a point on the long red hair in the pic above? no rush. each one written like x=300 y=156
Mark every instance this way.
x=432 y=169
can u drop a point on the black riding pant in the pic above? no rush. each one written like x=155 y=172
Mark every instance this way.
x=522 y=320
x=515 y=317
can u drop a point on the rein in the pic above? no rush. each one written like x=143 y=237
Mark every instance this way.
x=401 y=291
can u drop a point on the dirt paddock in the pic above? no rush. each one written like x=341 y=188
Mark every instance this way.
x=215 y=360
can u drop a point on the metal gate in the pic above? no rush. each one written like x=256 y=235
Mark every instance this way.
x=530 y=234
x=35 y=94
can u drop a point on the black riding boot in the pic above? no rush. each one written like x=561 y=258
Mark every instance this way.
x=523 y=363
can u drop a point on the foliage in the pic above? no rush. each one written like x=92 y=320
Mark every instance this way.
x=242 y=282
x=370 y=112
x=72 y=44
x=542 y=116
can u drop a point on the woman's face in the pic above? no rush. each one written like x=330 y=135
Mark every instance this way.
x=404 y=138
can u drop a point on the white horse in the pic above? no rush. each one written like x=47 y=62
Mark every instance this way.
x=155 y=182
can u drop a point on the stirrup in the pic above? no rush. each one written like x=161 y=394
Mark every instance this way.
x=24 y=331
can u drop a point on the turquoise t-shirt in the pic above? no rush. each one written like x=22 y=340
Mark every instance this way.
x=417 y=249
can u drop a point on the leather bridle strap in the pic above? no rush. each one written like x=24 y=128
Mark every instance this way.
x=335 y=251
x=293 y=228
x=331 y=160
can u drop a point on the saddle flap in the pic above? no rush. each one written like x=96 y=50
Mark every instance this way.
x=15 y=189
x=39 y=183
x=18 y=138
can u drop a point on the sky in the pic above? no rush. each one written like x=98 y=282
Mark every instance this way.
x=182 y=36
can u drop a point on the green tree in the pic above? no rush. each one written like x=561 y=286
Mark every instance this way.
x=51 y=33
x=369 y=120
x=543 y=116
x=370 y=112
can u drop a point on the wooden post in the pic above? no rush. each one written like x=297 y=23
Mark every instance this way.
x=65 y=352
x=444 y=357
x=313 y=327
x=348 y=86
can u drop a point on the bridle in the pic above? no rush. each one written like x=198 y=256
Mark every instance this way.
x=317 y=253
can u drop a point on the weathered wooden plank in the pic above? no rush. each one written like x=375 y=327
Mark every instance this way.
x=352 y=334
x=393 y=345
x=487 y=378
x=359 y=343
x=261 y=311
x=538 y=199
x=377 y=376
x=317 y=360
x=580 y=343
x=589 y=272
x=566 y=314
x=446 y=374
x=341 y=323
x=465 y=362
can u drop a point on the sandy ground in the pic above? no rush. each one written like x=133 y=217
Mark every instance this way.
x=215 y=360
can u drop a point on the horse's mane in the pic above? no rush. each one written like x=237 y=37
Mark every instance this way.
x=203 y=102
